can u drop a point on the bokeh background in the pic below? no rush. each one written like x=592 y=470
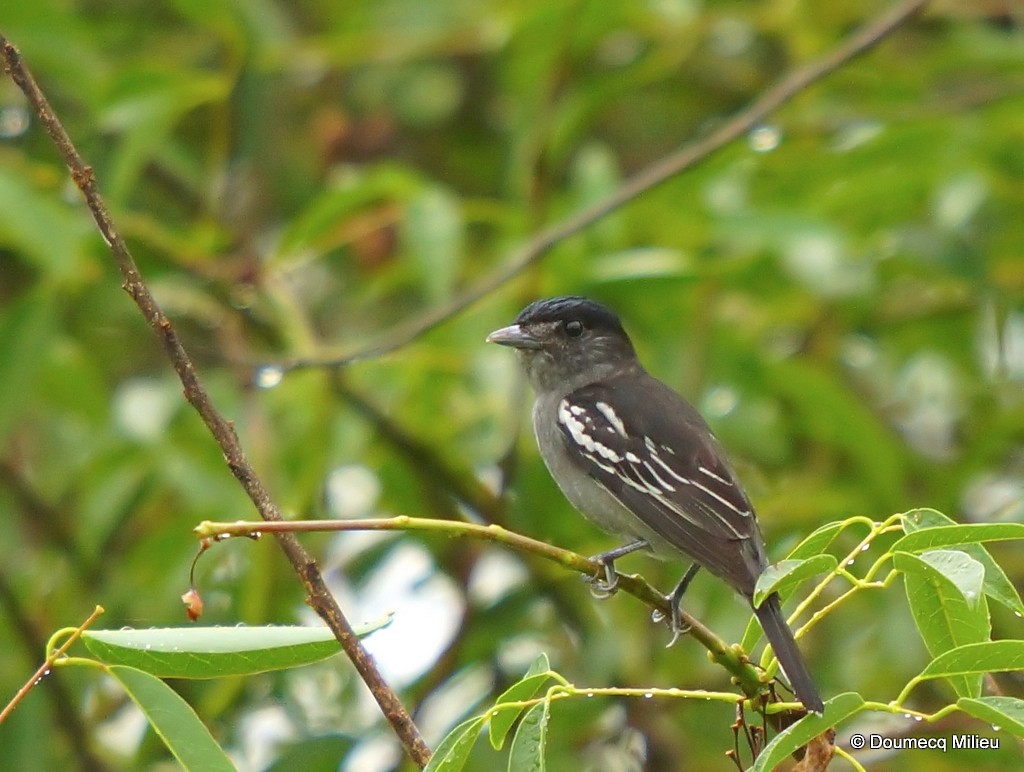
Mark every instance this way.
x=841 y=293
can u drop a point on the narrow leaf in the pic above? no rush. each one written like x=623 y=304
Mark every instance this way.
x=818 y=541
x=453 y=752
x=784 y=576
x=961 y=569
x=319 y=227
x=432 y=234
x=938 y=586
x=214 y=652
x=527 y=751
x=502 y=719
x=26 y=331
x=173 y=720
x=957 y=535
x=977 y=658
x=837 y=710
x=997 y=585
x=50 y=233
x=1001 y=712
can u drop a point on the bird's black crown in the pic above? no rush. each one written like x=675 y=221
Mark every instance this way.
x=566 y=308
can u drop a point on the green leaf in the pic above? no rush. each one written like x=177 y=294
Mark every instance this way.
x=925 y=517
x=977 y=658
x=818 y=541
x=502 y=719
x=527 y=751
x=944 y=591
x=320 y=753
x=944 y=588
x=785 y=575
x=432 y=234
x=641 y=262
x=50 y=233
x=452 y=753
x=1002 y=712
x=317 y=228
x=997 y=585
x=26 y=332
x=831 y=413
x=957 y=535
x=145 y=105
x=961 y=569
x=173 y=720
x=837 y=710
x=214 y=652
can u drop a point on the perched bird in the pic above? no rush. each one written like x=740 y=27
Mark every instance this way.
x=639 y=461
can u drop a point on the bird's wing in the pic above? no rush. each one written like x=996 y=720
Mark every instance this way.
x=659 y=459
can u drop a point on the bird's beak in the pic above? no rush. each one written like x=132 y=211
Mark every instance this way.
x=514 y=336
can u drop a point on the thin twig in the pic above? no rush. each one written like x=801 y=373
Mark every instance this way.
x=738 y=666
x=45 y=668
x=662 y=170
x=66 y=716
x=318 y=596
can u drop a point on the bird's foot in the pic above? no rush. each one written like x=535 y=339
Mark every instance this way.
x=676 y=624
x=606 y=587
x=603 y=587
x=674 y=603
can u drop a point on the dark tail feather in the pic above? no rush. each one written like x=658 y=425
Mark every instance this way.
x=784 y=645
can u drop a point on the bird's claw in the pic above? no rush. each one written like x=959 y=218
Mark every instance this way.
x=674 y=603
x=606 y=587
x=676 y=625
x=675 y=620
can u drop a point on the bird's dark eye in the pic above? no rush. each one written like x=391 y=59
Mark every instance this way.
x=573 y=328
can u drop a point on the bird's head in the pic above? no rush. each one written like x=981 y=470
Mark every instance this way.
x=567 y=342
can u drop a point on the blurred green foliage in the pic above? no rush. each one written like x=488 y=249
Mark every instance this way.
x=842 y=295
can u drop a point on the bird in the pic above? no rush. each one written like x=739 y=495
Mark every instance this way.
x=640 y=462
